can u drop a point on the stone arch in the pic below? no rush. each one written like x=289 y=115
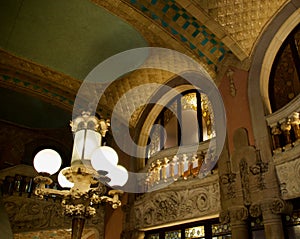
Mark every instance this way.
x=151 y=112
x=263 y=57
x=162 y=96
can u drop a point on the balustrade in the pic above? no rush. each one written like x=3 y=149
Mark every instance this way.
x=285 y=127
x=169 y=165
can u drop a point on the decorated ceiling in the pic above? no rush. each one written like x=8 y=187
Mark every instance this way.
x=49 y=47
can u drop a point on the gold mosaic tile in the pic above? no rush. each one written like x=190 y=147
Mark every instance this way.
x=242 y=19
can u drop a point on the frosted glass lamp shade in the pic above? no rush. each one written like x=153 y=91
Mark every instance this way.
x=85 y=142
x=47 y=161
x=104 y=158
x=118 y=176
x=63 y=181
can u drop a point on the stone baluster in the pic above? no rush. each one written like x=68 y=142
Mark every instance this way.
x=164 y=166
x=295 y=122
x=187 y=166
x=181 y=163
x=195 y=165
x=286 y=129
x=157 y=171
x=276 y=132
x=174 y=171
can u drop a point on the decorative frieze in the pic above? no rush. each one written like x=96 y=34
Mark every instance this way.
x=32 y=214
x=289 y=178
x=184 y=200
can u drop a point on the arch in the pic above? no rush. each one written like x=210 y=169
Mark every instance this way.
x=151 y=112
x=271 y=52
x=163 y=95
x=263 y=57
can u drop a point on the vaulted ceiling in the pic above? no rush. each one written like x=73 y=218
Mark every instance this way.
x=49 y=47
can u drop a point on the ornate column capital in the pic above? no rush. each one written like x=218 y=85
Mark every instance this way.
x=275 y=206
x=255 y=210
x=234 y=214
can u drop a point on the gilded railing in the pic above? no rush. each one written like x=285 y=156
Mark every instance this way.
x=284 y=126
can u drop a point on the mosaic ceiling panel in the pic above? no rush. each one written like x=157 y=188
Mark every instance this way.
x=186 y=28
x=243 y=20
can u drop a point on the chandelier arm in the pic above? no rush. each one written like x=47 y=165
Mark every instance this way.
x=42 y=191
x=115 y=202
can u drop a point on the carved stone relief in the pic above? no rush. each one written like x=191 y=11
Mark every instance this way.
x=32 y=214
x=234 y=214
x=177 y=203
x=244 y=173
x=228 y=185
x=289 y=179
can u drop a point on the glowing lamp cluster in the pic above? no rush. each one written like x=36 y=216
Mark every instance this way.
x=105 y=160
x=102 y=161
x=93 y=167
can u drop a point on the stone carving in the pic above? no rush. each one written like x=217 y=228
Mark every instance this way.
x=238 y=213
x=279 y=206
x=234 y=214
x=224 y=217
x=255 y=210
x=32 y=214
x=245 y=181
x=202 y=202
x=288 y=175
x=259 y=169
x=185 y=202
x=227 y=182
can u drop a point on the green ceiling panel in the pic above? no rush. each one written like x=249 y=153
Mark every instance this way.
x=71 y=37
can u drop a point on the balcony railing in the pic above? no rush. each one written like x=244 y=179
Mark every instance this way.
x=168 y=165
x=285 y=127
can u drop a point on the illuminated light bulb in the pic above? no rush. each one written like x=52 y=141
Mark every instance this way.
x=47 y=161
x=63 y=181
x=118 y=176
x=104 y=158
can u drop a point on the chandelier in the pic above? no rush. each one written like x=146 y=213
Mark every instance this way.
x=93 y=167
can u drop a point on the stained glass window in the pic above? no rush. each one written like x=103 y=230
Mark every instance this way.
x=218 y=229
x=173 y=234
x=153 y=236
x=208 y=229
x=194 y=232
x=293 y=219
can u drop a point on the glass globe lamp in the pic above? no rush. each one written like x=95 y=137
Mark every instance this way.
x=104 y=158
x=118 y=176
x=63 y=181
x=47 y=161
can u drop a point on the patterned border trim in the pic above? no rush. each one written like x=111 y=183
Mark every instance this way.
x=177 y=21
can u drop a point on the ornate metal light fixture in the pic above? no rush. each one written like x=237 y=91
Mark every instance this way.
x=93 y=166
